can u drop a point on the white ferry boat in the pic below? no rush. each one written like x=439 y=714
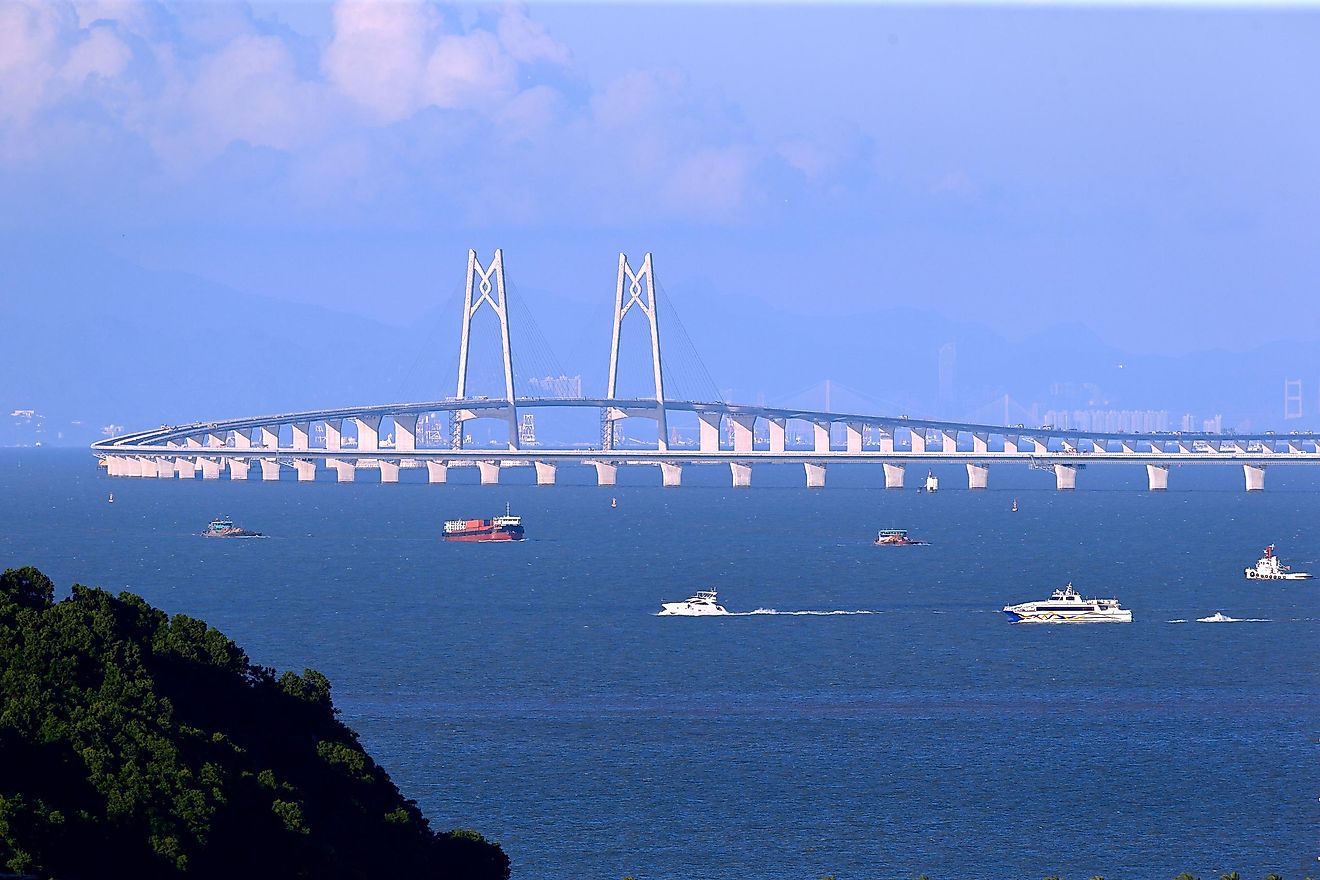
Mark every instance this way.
x=1068 y=606
x=701 y=604
x=1268 y=568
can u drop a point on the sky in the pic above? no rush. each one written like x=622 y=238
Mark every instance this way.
x=1148 y=172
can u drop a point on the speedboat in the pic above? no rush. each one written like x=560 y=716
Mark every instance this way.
x=896 y=538
x=1066 y=605
x=702 y=604
x=1268 y=568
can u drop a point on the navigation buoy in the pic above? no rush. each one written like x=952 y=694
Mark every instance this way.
x=1014 y=508
x=614 y=502
x=111 y=499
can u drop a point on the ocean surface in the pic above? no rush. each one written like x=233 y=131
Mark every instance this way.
x=529 y=690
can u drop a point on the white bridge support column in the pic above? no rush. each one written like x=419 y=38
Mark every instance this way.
x=270 y=469
x=306 y=469
x=389 y=471
x=980 y=443
x=165 y=468
x=671 y=474
x=270 y=437
x=1065 y=477
x=490 y=472
x=853 y=436
x=742 y=474
x=977 y=475
x=778 y=434
x=239 y=468
x=1255 y=475
x=709 y=423
x=210 y=469
x=894 y=475
x=820 y=434
x=742 y=432
x=1010 y=443
x=405 y=432
x=1157 y=477
x=334 y=438
x=147 y=468
x=345 y=471
x=545 y=473
x=368 y=431
x=186 y=468
x=1038 y=446
x=242 y=439
x=918 y=439
x=949 y=443
x=606 y=473
x=886 y=438
x=300 y=430
x=815 y=475
x=437 y=472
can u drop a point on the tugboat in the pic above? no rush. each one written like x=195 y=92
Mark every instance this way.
x=497 y=528
x=897 y=538
x=225 y=528
x=1268 y=568
x=701 y=604
x=932 y=482
x=1066 y=605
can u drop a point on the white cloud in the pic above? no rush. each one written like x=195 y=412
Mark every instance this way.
x=30 y=46
x=101 y=55
x=250 y=91
x=378 y=55
x=527 y=40
x=469 y=71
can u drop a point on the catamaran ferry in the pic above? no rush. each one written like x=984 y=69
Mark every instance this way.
x=1068 y=606
x=1268 y=568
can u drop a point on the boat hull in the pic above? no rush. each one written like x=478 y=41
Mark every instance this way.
x=501 y=535
x=1026 y=616
x=1253 y=575
x=683 y=609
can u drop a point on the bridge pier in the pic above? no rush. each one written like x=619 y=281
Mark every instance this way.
x=270 y=469
x=368 y=433
x=671 y=475
x=437 y=472
x=820 y=436
x=306 y=470
x=147 y=468
x=977 y=475
x=239 y=468
x=853 y=436
x=270 y=436
x=949 y=443
x=1255 y=475
x=334 y=438
x=886 y=438
x=186 y=468
x=894 y=475
x=300 y=432
x=345 y=471
x=490 y=472
x=1157 y=477
x=1065 y=477
x=389 y=471
x=918 y=441
x=606 y=473
x=742 y=432
x=545 y=473
x=778 y=434
x=405 y=432
x=709 y=425
x=210 y=469
x=1010 y=443
x=742 y=474
x=815 y=475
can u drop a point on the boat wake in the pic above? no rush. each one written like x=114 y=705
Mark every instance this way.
x=760 y=611
x=1223 y=618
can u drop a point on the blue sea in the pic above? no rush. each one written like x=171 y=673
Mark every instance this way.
x=529 y=691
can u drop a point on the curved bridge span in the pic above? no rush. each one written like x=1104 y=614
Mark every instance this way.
x=385 y=437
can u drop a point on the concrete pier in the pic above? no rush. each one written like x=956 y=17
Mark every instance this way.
x=820 y=436
x=334 y=438
x=918 y=439
x=345 y=471
x=1157 y=477
x=368 y=433
x=545 y=473
x=300 y=432
x=778 y=434
x=186 y=468
x=977 y=475
x=389 y=471
x=606 y=473
x=239 y=468
x=1255 y=475
x=270 y=437
x=490 y=472
x=305 y=469
x=709 y=423
x=742 y=474
x=853 y=436
x=671 y=475
x=742 y=432
x=437 y=472
x=1065 y=477
x=270 y=469
x=894 y=475
x=815 y=475
x=405 y=432
x=210 y=469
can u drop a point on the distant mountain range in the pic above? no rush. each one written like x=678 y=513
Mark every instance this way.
x=92 y=340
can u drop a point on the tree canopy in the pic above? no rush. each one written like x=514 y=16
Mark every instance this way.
x=137 y=744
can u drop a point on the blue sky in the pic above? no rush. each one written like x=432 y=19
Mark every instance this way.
x=1148 y=171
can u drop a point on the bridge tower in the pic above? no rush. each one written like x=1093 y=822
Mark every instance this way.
x=479 y=281
x=640 y=292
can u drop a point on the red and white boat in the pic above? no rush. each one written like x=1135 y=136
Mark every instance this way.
x=497 y=528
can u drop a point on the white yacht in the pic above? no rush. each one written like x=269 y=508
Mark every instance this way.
x=702 y=604
x=1268 y=568
x=1068 y=606
x=932 y=482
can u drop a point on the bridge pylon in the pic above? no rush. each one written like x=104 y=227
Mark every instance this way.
x=635 y=288
x=484 y=282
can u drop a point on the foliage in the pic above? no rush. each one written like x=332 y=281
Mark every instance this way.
x=140 y=745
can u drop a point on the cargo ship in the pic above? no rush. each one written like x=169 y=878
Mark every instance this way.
x=497 y=528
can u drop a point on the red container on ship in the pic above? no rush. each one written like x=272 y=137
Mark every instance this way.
x=497 y=528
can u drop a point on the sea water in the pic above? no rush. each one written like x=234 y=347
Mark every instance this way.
x=530 y=691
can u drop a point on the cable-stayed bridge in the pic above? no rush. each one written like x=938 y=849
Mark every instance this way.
x=385 y=437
